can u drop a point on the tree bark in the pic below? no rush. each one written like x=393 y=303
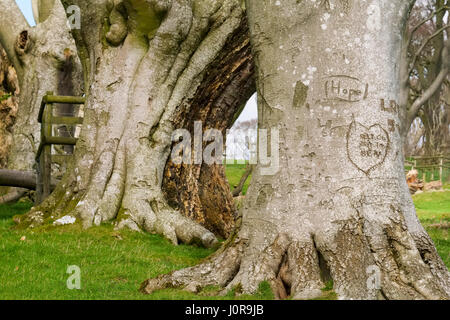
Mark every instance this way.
x=202 y=191
x=148 y=68
x=339 y=204
x=9 y=89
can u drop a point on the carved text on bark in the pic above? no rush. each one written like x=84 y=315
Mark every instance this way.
x=345 y=88
x=367 y=147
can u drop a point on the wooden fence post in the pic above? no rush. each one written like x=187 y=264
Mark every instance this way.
x=43 y=186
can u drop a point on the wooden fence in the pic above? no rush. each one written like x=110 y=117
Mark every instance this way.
x=430 y=168
x=44 y=157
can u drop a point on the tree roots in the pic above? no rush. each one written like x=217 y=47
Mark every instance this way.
x=386 y=266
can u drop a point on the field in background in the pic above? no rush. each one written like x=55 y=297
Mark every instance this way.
x=234 y=173
x=433 y=209
x=114 y=263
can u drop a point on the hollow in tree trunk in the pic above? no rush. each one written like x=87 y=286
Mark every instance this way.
x=149 y=67
x=339 y=206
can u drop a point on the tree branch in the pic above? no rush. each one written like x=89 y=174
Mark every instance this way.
x=43 y=9
x=431 y=16
x=424 y=44
x=12 y=24
x=441 y=77
x=248 y=171
x=21 y=179
x=13 y=196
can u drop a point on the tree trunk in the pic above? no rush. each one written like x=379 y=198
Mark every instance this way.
x=9 y=89
x=40 y=54
x=148 y=68
x=338 y=207
x=202 y=191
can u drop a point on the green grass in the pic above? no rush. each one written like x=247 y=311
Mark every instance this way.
x=234 y=173
x=114 y=263
x=434 y=208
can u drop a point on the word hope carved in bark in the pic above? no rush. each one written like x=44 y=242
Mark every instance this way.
x=345 y=88
x=367 y=147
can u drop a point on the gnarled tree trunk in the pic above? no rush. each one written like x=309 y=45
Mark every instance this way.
x=339 y=206
x=149 y=67
x=201 y=191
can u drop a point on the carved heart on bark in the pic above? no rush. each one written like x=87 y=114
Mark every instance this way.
x=367 y=147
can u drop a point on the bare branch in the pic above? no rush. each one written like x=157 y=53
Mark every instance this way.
x=434 y=87
x=43 y=9
x=424 y=44
x=12 y=24
x=431 y=16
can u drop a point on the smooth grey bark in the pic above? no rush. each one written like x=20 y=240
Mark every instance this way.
x=339 y=206
x=139 y=67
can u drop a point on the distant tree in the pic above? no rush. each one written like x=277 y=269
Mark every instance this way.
x=425 y=74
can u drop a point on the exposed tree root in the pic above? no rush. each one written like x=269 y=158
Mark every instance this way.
x=362 y=267
x=13 y=195
x=220 y=269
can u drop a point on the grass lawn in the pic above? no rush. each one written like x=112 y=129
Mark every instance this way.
x=433 y=209
x=113 y=264
x=234 y=173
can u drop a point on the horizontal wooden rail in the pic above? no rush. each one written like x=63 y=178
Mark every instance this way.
x=44 y=157
x=67 y=120
x=21 y=179
x=48 y=99
x=429 y=157
x=64 y=141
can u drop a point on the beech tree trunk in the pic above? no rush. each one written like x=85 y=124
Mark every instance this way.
x=155 y=61
x=39 y=55
x=202 y=195
x=338 y=208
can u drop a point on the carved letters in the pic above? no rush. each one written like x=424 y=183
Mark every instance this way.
x=345 y=88
x=367 y=147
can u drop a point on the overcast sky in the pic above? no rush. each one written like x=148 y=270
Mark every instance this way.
x=250 y=112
